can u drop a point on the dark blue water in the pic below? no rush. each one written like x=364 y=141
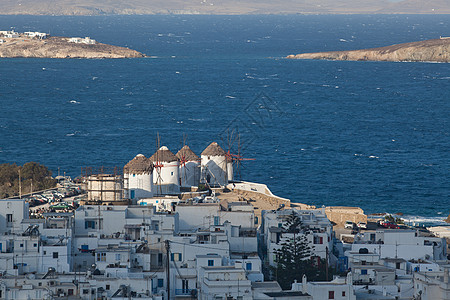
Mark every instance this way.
x=368 y=134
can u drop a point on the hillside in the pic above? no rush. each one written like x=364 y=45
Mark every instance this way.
x=437 y=50
x=99 y=7
x=59 y=47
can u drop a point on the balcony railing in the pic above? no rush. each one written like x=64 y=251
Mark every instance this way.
x=183 y=291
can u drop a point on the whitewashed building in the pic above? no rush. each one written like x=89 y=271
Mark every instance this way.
x=214 y=165
x=36 y=34
x=340 y=288
x=138 y=178
x=399 y=243
x=78 y=40
x=432 y=285
x=189 y=167
x=165 y=175
x=316 y=228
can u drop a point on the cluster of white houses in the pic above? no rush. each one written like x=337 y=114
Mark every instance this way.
x=202 y=251
x=200 y=248
x=28 y=34
x=86 y=40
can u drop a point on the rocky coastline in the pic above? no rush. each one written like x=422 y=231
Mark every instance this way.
x=60 y=47
x=436 y=50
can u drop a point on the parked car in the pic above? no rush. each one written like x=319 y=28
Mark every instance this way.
x=387 y=224
x=362 y=225
x=349 y=225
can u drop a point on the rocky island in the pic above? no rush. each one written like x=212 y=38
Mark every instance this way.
x=40 y=45
x=436 y=50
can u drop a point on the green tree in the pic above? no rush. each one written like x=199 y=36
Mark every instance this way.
x=294 y=257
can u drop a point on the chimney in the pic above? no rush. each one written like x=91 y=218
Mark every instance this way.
x=304 y=285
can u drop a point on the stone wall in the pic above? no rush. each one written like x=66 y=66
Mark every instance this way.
x=340 y=214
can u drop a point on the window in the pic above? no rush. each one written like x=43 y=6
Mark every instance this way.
x=155 y=225
x=330 y=294
x=55 y=254
x=70 y=292
x=45 y=252
x=40 y=284
x=343 y=293
x=210 y=262
x=9 y=218
x=397 y=265
x=216 y=221
x=248 y=266
x=171 y=173
x=101 y=256
x=175 y=257
x=85 y=291
x=160 y=282
x=363 y=272
x=117 y=256
x=35 y=245
x=21 y=245
x=89 y=224
x=185 y=285
x=107 y=287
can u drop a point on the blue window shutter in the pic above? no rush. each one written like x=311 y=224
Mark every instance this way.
x=160 y=282
x=248 y=266
x=171 y=256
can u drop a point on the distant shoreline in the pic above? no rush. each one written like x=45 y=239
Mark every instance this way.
x=436 y=50
x=15 y=45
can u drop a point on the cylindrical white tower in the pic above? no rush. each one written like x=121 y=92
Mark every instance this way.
x=189 y=167
x=165 y=174
x=138 y=178
x=214 y=165
x=230 y=169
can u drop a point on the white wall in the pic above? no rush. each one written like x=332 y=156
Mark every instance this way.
x=141 y=184
x=216 y=168
x=190 y=174
x=166 y=178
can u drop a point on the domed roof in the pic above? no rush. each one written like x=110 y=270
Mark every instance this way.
x=213 y=150
x=187 y=154
x=139 y=165
x=163 y=154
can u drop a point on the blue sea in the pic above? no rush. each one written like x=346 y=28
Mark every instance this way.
x=367 y=134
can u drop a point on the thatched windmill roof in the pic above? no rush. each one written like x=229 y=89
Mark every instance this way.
x=139 y=165
x=187 y=154
x=163 y=154
x=213 y=150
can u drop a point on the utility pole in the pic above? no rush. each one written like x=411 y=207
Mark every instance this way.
x=326 y=263
x=20 y=184
x=168 y=267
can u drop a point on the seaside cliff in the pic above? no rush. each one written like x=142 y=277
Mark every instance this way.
x=437 y=50
x=60 y=47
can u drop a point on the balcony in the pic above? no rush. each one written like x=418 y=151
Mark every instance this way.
x=183 y=292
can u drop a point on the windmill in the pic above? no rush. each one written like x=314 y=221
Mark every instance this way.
x=189 y=165
x=234 y=161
